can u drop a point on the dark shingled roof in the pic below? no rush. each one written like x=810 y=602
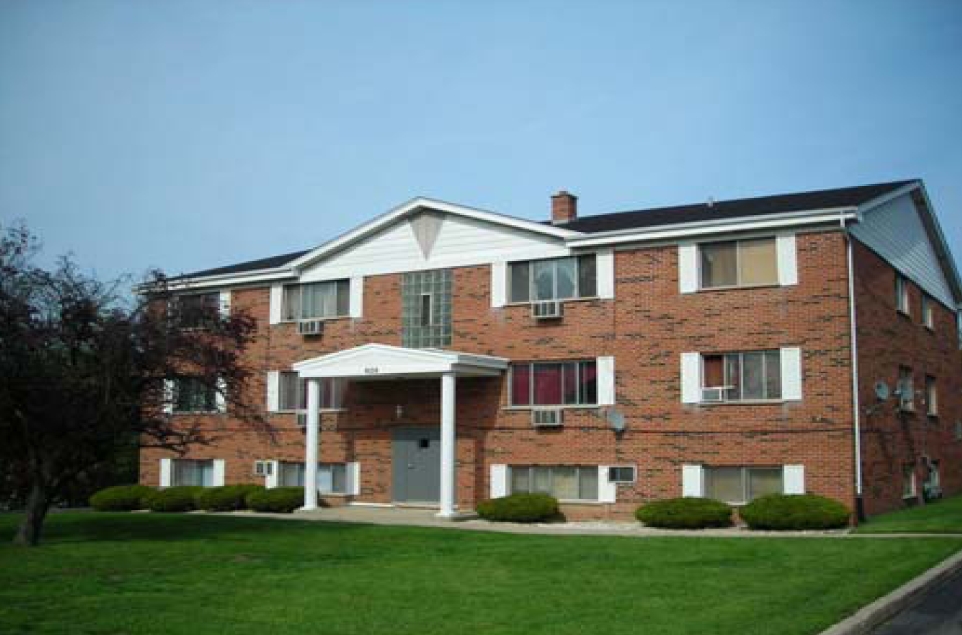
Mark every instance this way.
x=820 y=199
x=645 y=218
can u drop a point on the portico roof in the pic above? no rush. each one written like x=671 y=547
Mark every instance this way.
x=382 y=361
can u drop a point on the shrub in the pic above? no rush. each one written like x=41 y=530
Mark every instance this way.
x=685 y=513
x=794 y=511
x=121 y=498
x=282 y=500
x=174 y=499
x=519 y=508
x=225 y=498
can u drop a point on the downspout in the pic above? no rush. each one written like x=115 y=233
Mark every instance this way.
x=856 y=414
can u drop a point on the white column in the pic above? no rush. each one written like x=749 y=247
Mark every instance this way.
x=448 y=445
x=310 y=441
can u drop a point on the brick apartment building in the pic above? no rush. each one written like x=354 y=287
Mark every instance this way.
x=441 y=355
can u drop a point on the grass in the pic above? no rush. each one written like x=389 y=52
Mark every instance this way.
x=939 y=517
x=143 y=573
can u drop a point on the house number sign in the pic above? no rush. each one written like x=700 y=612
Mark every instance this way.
x=371 y=370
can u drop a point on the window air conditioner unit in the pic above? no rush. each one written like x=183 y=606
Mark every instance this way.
x=547 y=417
x=301 y=419
x=310 y=327
x=263 y=468
x=713 y=394
x=547 y=310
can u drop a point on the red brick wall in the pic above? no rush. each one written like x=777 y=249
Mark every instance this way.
x=888 y=339
x=646 y=329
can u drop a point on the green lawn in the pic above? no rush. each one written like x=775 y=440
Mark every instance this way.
x=141 y=573
x=940 y=517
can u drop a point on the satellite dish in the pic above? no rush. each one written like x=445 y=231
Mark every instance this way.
x=882 y=390
x=615 y=419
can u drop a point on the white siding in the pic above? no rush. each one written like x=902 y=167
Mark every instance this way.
x=793 y=477
x=499 y=480
x=605 y=261
x=894 y=230
x=220 y=468
x=687 y=267
x=460 y=242
x=791 y=361
x=499 y=283
x=692 y=480
x=277 y=297
x=606 y=380
x=787 y=259
x=607 y=491
x=690 y=377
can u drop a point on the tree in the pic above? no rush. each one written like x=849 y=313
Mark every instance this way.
x=85 y=370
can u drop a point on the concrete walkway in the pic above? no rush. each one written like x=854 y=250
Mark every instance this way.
x=418 y=517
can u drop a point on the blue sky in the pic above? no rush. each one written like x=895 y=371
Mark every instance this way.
x=189 y=134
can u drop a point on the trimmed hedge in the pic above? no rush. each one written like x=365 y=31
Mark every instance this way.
x=225 y=498
x=519 y=508
x=174 y=499
x=795 y=511
x=121 y=498
x=685 y=513
x=283 y=500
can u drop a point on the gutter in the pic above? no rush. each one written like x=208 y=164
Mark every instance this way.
x=856 y=405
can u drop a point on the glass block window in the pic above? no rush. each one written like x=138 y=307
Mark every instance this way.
x=426 y=309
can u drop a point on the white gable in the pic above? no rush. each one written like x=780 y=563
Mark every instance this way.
x=895 y=231
x=460 y=241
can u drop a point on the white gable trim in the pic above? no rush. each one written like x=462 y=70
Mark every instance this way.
x=417 y=205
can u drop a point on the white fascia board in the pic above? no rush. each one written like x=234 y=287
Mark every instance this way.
x=412 y=206
x=707 y=228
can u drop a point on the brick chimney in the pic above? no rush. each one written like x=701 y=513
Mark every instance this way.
x=564 y=208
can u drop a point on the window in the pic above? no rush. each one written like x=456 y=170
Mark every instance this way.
x=197 y=310
x=908 y=481
x=292 y=392
x=316 y=300
x=932 y=485
x=426 y=309
x=901 y=294
x=738 y=263
x=191 y=472
x=554 y=384
x=561 y=481
x=906 y=389
x=738 y=485
x=621 y=474
x=331 y=477
x=755 y=375
x=931 y=396
x=928 y=312
x=192 y=394
x=554 y=279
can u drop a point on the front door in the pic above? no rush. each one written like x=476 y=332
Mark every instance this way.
x=417 y=465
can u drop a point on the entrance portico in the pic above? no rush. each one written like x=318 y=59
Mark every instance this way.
x=378 y=362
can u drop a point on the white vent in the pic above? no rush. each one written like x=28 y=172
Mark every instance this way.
x=547 y=417
x=310 y=327
x=713 y=394
x=548 y=310
x=263 y=468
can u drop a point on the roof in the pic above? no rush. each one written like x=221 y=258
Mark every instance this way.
x=637 y=219
x=737 y=208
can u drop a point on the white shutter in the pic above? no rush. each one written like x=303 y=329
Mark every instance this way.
x=273 y=478
x=606 y=380
x=277 y=299
x=605 y=267
x=353 y=475
x=499 y=480
x=220 y=467
x=690 y=377
x=687 y=267
x=168 y=405
x=220 y=397
x=787 y=259
x=357 y=297
x=793 y=477
x=791 y=361
x=499 y=282
x=225 y=304
x=165 y=472
x=692 y=480
x=607 y=491
x=273 y=390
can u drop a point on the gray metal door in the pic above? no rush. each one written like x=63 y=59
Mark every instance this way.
x=417 y=465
